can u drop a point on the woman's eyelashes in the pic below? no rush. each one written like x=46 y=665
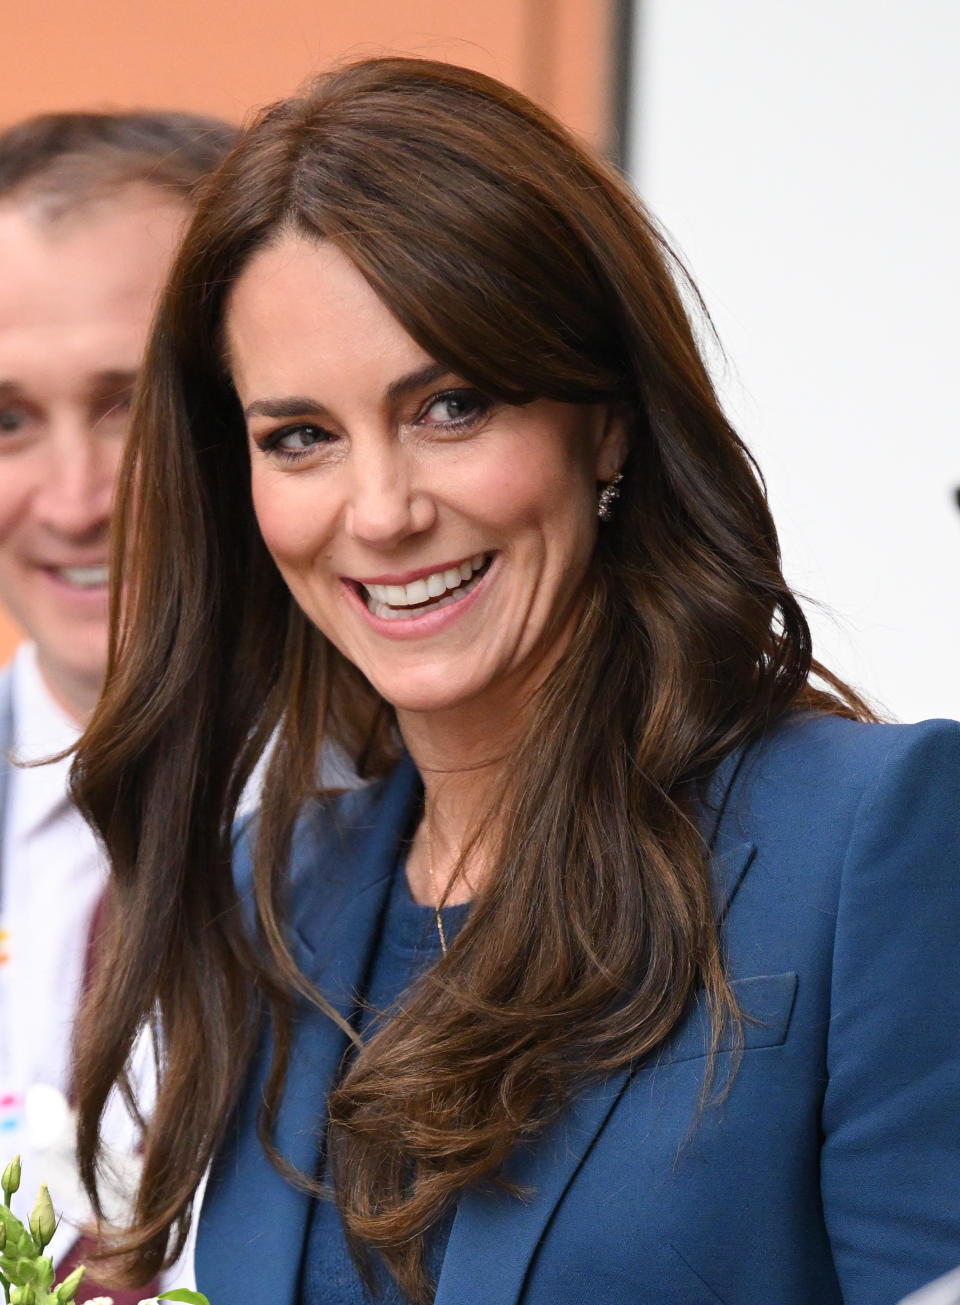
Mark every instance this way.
x=293 y=442
x=453 y=411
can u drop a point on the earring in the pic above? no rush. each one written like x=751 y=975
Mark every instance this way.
x=608 y=497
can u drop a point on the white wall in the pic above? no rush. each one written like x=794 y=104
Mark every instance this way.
x=804 y=156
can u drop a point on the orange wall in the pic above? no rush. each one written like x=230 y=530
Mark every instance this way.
x=225 y=57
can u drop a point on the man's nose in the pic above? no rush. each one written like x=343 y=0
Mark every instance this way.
x=76 y=491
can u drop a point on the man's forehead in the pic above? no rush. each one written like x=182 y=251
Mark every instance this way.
x=96 y=278
x=124 y=243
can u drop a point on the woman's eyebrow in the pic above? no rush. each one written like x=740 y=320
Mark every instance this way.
x=298 y=405
x=294 y=405
x=414 y=380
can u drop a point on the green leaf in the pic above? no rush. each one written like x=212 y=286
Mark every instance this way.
x=182 y=1294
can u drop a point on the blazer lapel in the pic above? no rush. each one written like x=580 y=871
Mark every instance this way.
x=341 y=875
x=494 y=1235
x=731 y=855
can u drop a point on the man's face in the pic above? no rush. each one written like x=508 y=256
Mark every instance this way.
x=76 y=297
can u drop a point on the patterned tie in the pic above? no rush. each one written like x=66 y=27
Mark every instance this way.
x=83 y=1251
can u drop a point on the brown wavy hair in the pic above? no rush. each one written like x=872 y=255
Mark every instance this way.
x=522 y=262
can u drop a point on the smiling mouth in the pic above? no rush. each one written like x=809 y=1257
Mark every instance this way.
x=83 y=577
x=430 y=592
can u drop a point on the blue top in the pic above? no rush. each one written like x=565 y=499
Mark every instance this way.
x=409 y=942
x=829 y=1172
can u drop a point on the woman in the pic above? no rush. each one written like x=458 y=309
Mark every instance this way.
x=624 y=977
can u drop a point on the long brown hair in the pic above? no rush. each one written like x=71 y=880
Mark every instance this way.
x=523 y=263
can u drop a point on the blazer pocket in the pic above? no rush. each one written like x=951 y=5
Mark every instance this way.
x=695 y=1278
x=766 y=1001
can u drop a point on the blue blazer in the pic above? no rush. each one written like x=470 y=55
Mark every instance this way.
x=829 y=1173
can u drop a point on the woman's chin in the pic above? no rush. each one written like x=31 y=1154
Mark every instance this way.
x=426 y=695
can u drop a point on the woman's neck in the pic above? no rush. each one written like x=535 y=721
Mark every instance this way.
x=461 y=752
x=461 y=763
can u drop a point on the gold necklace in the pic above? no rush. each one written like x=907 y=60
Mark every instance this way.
x=433 y=877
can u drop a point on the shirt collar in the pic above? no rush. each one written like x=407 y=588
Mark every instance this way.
x=41 y=728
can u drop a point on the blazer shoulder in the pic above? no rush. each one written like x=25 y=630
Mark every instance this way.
x=800 y=791
x=824 y=755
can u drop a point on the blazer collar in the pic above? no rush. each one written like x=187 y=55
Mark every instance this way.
x=494 y=1237
x=341 y=874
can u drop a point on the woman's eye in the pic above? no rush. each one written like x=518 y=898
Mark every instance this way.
x=455 y=408
x=294 y=441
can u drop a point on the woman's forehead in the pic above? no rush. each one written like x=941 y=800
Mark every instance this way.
x=301 y=315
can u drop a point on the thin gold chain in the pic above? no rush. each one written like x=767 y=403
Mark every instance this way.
x=433 y=877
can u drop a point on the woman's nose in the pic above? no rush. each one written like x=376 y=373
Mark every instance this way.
x=387 y=503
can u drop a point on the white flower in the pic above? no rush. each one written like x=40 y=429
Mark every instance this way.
x=108 y=1300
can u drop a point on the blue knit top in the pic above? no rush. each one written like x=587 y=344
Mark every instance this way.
x=409 y=943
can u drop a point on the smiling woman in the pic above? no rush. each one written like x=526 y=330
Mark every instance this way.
x=596 y=989
x=439 y=538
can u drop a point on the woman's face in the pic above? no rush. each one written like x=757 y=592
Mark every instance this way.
x=439 y=538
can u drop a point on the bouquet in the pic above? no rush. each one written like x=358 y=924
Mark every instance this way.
x=27 y=1276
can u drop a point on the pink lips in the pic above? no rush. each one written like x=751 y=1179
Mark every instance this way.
x=430 y=622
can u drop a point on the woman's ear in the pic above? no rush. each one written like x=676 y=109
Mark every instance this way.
x=613 y=443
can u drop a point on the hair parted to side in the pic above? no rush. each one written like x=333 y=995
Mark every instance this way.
x=59 y=162
x=525 y=264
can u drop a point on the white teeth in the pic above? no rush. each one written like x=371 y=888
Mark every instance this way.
x=449 y=585
x=86 y=577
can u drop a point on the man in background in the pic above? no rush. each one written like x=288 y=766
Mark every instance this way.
x=91 y=209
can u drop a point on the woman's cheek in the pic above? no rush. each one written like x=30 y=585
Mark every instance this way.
x=289 y=520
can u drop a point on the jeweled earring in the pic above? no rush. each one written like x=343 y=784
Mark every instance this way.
x=608 y=497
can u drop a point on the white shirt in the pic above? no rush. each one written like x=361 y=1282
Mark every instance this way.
x=53 y=874
x=53 y=877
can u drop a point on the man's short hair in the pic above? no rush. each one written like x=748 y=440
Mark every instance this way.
x=63 y=161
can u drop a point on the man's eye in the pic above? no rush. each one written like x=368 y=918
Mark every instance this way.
x=12 y=420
